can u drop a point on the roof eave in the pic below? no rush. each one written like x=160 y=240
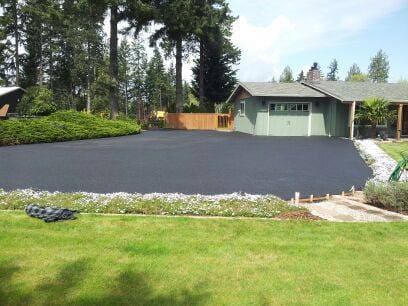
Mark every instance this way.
x=236 y=90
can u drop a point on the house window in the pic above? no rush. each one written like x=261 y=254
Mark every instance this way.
x=289 y=107
x=242 y=108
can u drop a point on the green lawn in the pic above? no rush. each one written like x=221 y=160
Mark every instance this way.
x=394 y=149
x=127 y=260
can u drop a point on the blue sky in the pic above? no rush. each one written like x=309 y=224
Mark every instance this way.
x=273 y=34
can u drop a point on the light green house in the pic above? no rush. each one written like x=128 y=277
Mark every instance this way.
x=323 y=108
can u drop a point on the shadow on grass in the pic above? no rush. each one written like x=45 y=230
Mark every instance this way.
x=128 y=288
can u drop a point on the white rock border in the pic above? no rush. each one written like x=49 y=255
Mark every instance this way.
x=379 y=161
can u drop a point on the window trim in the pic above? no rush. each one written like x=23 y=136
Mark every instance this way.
x=240 y=108
x=289 y=107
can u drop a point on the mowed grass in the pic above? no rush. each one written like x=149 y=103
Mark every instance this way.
x=394 y=149
x=127 y=260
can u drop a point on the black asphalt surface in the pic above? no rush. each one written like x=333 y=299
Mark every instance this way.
x=189 y=162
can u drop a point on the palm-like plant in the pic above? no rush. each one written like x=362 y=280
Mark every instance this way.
x=375 y=111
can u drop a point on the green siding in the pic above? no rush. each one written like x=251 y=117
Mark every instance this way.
x=328 y=118
x=246 y=124
x=261 y=118
x=320 y=123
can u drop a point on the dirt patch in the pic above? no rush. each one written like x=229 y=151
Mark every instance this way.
x=298 y=215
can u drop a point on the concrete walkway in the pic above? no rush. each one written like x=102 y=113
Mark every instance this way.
x=349 y=209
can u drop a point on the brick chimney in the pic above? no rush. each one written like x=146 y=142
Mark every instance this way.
x=313 y=75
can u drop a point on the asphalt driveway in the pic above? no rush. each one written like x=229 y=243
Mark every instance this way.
x=188 y=162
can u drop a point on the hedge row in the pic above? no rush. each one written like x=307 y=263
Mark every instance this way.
x=63 y=126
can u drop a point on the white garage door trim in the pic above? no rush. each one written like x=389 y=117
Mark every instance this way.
x=309 y=128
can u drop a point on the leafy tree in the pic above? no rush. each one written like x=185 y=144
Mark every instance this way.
x=38 y=102
x=375 y=111
x=286 y=76
x=379 y=68
x=333 y=71
x=301 y=77
x=354 y=69
x=359 y=78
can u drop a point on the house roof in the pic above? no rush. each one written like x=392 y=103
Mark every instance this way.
x=360 y=91
x=7 y=90
x=269 y=89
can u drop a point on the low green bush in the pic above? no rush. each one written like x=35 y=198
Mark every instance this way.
x=63 y=126
x=392 y=196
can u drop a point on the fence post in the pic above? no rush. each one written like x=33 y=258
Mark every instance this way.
x=297 y=195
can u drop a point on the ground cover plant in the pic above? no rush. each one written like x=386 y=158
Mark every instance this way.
x=128 y=260
x=392 y=196
x=238 y=205
x=63 y=126
x=395 y=149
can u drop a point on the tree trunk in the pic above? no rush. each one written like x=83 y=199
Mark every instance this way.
x=88 y=94
x=179 y=74
x=17 y=42
x=201 y=75
x=373 y=131
x=126 y=93
x=113 y=64
x=89 y=70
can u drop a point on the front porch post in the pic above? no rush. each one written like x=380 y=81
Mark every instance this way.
x=352 y=114
x=399 y=122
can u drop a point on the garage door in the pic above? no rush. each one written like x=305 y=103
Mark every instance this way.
x=289 y=119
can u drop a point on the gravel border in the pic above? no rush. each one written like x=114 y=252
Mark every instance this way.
x=379 y=161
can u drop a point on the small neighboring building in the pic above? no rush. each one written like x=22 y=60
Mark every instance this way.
x=319 y=108
x=9 y=98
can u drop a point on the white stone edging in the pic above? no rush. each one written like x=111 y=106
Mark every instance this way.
x=379 y=161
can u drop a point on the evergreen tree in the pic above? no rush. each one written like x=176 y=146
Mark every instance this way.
x=379 y=68
x=333 y=71
x=301 y=77
x=286 y=76
x=124 y=75
x=220 y=57
x=160 y=89
x=10 y=23
x=176 y=32
x=354 y=69
x=137 y=80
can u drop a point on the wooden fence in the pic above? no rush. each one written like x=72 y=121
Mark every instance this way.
x=199 y=121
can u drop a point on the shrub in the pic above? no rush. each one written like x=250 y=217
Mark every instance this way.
x=393 y=196
x=63 y=126
x=38 y=101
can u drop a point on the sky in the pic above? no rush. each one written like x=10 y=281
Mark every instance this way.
x=273 y=34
